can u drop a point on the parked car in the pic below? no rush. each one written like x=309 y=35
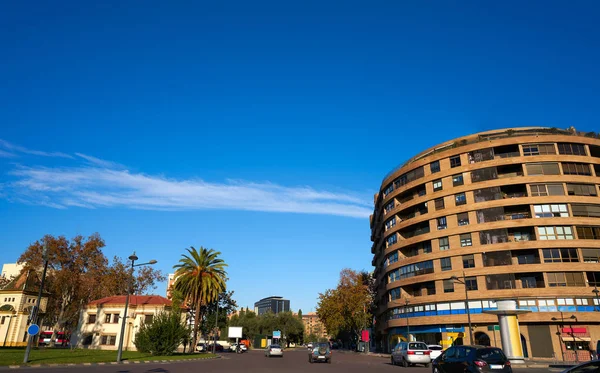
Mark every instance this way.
x=320 y=352
x=475 y=359
x=218 y=348
x=242 y=347
x=409 y=353
x=587 y=367
x=46 y=336
x=274 y=350
x=436 y=350
x=309 y=345
x=201 y=347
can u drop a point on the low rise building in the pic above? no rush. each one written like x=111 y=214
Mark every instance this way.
x=17 y=301
x=314 y=325
x=100 y=321
x=11 y=270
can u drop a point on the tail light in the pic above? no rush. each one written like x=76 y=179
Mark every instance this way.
x=507 y=363
x=410 y=352
x=480 y=363
x=427 y=352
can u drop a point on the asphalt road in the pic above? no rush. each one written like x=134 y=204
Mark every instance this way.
x=294 y=361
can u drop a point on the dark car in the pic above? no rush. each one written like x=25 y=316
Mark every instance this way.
x=320 y=352
x=587 y=367
x=476 y=359
x=219 y=348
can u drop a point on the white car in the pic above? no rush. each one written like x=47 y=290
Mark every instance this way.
x=243 y=347
x=436 y=350
x=409 y=353
x=274 y=350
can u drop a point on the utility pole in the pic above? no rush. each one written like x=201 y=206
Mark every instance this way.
x=35 y=314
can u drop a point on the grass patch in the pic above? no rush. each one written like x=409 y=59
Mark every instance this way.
x=14 y=356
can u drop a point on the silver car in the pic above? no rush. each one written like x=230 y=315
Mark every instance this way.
x=409 y=353
x=274 y=350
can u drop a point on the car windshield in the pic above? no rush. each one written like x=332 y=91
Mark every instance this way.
x=491 y=355
x=323 y=345
x=417 y=346
x=435 y=348
x=275 y=346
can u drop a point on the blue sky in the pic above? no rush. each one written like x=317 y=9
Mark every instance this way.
x=262 y=129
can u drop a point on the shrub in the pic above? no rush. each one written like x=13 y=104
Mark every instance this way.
x=163 y=335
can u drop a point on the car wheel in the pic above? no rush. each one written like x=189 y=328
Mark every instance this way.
x=404 y=363
x=392 y=360
x=426 y=365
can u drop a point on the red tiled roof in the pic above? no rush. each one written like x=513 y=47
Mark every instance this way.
x=134 y=300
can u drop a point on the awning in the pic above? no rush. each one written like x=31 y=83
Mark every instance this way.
x=576 y=339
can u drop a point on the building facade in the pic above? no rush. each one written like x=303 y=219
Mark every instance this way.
x=313 y=325
x=99 y=324
x=11 y=270
x=17 y=300
x=273 y=304
x=506 y=214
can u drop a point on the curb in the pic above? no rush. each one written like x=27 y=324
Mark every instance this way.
x=125 y=362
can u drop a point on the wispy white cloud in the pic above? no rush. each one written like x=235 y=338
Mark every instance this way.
x=99 y=162
x=5 y=154
x=13 y=148
x=99 y=183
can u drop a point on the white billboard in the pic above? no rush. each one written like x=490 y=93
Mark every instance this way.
x=235 y=332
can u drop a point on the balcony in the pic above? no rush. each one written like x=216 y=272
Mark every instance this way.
x=494 y=236
x=502 y=192
x=503 y=213
x=530 y=280
x=511 y=170
x=413 y=212
x=419 y=290
x=415 y=230
x=498 y=152
x=411 y=194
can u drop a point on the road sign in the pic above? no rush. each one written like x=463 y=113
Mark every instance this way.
x=493 y=327
x=33 y=329
x=276 y=334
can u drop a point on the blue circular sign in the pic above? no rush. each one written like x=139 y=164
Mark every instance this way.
x=33 y=329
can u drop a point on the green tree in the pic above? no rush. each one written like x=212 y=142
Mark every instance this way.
x=163 y=335
x=200 y=278
x=226 y=306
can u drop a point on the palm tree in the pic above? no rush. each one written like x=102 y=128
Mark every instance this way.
x=200 y=278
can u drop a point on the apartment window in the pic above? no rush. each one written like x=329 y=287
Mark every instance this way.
x=571 y=149
x=591 y=256
x=437 y=185
x=91 y=319
x=460 y=199
x=389 y=206
x=576 y=169
x=500 y=281
x=392 y=239
x=426 y=247
x=390 y=223
x=148 y=319
x=108 y=340
x=529 y=282
x=551 y=211
x=439 y=203
x=410 y=176
x=471 y=283
x=446 y=264
x=455 y=161
x=555 y=233
x=463 y=219
x=448 y=286
x=416 y=269
x=115 y=318
x=591 y=211
x=484 y=174
x=395 y=294
x=388 y=190
x=559 y=279
x=441 y=223
x=538 y=149
x=394 y=275
x=497 y=258
x=541 y=190
x=107 y=318
x=444 y=244
x=588 y=233
x=581 y=190
x=465 y=240
x=560 y=255
x=392 y=258
x=457 y=180
x=468 y=261
x=534 y=169
x=434 y=167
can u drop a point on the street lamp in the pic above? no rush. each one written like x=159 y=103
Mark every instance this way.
x=562 y=352
x=133 y=258
x=572 y=335
x=407 y=321
x=34 y=316
x=464 y=282
x=216 y=326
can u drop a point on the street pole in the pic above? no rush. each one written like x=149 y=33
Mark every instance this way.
x=407 y=322
x=468 y=309
x=216 y=325
x=133 y=258
x=35 y=313
x=573 y=337
x=558 y=333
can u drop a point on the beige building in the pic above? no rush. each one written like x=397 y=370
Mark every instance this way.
x=10 y=270
x=17 y=300
x=513 y=214
x=100 y=321
x=313 y=325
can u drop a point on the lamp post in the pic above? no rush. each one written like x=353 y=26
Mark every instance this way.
x=133 y=258
x=562 y=321
x=216 y=326
x=35 y=313
x=464 y=282
x=573 y=317
x=407 y=321
x=562 y=352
